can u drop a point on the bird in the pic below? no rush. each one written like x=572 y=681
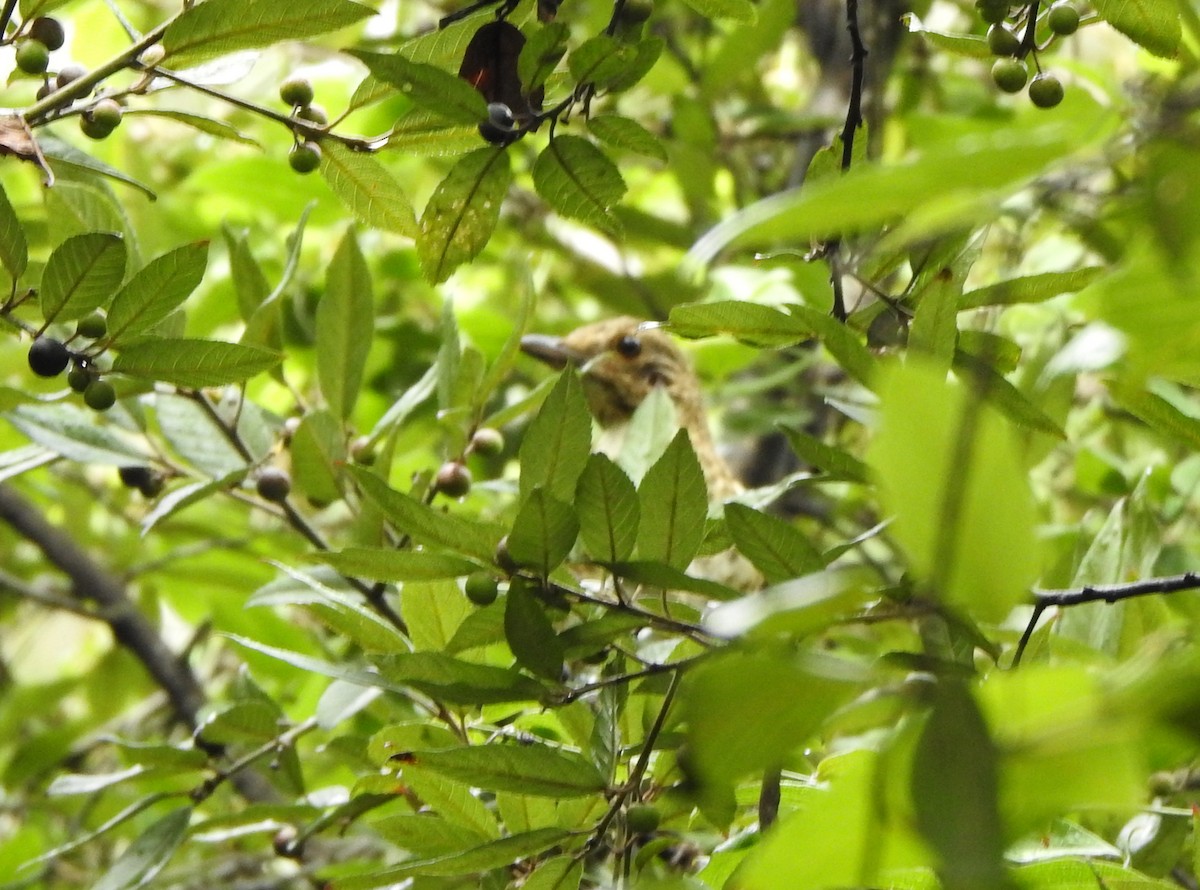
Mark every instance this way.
x=621 y=361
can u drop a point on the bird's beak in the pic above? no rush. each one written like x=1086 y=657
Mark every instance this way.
x=551 y=350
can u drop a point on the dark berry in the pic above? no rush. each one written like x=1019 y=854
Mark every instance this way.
x=504 y=557
x=273 y=484
x=1063 y=18
x=453 y=479
x=48 y=31
x=487 y=442
x=1003 y=42
x=481 y=588
x=152 y=487
x=634 y=12
x=501 y=115
x=33 y=57
x=100 y=395
x=69 y=73
x=48 y=357
x=642 y=818
x=45 y=90
x=305 y=157
x=296 y=91
x=92 y=326
x=1045 y=91
x=1010 y=75
x=500 y=126
x=135 y=476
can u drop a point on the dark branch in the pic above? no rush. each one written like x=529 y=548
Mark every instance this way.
x=858 y=60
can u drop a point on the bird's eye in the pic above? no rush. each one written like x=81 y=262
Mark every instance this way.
x=630 y=347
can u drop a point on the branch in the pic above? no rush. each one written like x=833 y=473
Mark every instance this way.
x=858 y=59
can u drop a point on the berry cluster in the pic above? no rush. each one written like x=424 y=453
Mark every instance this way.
x=49 y=357
x=1005 y=22
x=305 y=156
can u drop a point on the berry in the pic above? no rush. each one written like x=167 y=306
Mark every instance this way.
x=487 y=442
x=48 y=357
x=453 y=479
x=134 y=476
x=501 y=115
x=79 y=378
x=101 y=119
x=992 y=11
x=273 y=484
x=92 y=326
x=289 y=429
x=481 y=588
x=1063 y=18
x=1010 y=75
x=313 y=113
x=69 y=73
x=33 y=57
x=48 y=31
x=503 y=557
x=362 y=451
x=305 y=157
x=1002 y=41
x=152 y=487
x=642 y=818
x=1045 y=91
x=100 y=395
x=296 y=91
x=45 y=90
x=152 y=55
x=500 y=126
x=634 y=12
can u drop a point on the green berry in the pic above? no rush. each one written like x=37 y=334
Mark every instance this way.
x=1002 y=41
x=313 y=113
x=642 y=818
x=305 y=157
x=296 y=91
x=992 y=11
x=1045 y=91
x=48 y=31
x=1063 y=18
x=453 y=479
x=1010 y=75
x=79 y=378
x=100 y=395
x=92 y=326
x=487 y=442
x=362 y=451
x=48 y=357
x=481 y=588
x=273 y=484
x=107 y=113
x=33 y=57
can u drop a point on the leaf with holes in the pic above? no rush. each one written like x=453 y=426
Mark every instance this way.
x=461 y=214
x=579 y=181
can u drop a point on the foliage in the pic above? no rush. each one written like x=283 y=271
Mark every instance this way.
x=339 y=592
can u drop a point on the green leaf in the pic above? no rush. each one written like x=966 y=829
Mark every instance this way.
x=336 y=670
x=148 y=854
x=751 y=323
x=318 y=451
x=1151 y=24
x=65 y=157
x=798 y=608
x=494 y=854
x=579 y=181
x=211 y=126
x=777 y=548
x=674 y=504
x=543 y=533
x=736 y=10
x=218 y=27
x=1161 y=416
x=157 y=290
x=955 y=788
x=934 y=328
x=608 y=509
x=440 y=91
x=665 y=577
x=536 y=769
x=530 y=634
x=74 y=433
x=367 y=189
x=1031 y=288
x=180 y=498
x=462 y=212
x=426 y=525
x=427 y=835
x=628 y=134
x=14 y=252
x=558 y=441
x=345 y=325
x=425 y=132
x=599 y=59
x=831 y=460
x=81 y=275
x=1001 y=394
x=396 y=565
x=433 y=610
x=841 y=341
x=194 y=363
x=458 y=682
x=950 y=473
x=541 y=54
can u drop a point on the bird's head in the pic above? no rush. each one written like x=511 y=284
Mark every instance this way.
x=621 y=360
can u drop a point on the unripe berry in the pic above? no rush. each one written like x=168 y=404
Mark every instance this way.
x=48 y=357
x=992 y=11
x=487 y=442
x=1063 y=18
x=1010 y=75
x=92 y=326
x=313 y=113
x=362 y=451
x=453 y=479
x=1003 y=42
x=100 y=395
x=48 y=31
x=33 y=57
x=296 y=91
x=305 y=157
x=273 y=484
x=481 y=588
x=1045 y=91
x=107 y=112
x=152 y=55
x=79 y=378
